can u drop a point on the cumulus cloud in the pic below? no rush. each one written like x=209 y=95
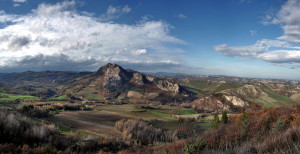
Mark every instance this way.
x=61 y=62
x=115 y=12
x=262 y=50
x=289 y=19
x=282 y=51
x=61 y=32
x=139 y=52
x=243 y=51
x=19 y=1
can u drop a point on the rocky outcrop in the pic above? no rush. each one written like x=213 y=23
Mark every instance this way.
x=138 y=79
x=167 y=85
x=247 y=91
x=238 y=102
x=210 y=103
x=112 y=77
x=219 y=103
x=111 y=81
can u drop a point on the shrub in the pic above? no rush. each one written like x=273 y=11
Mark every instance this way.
x=195 y=148
x=214 y=124
x=141 y=132
x=224 y=118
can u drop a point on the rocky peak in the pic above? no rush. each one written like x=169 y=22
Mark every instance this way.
x=113 y=77
x=109 y=67
x=112 y=81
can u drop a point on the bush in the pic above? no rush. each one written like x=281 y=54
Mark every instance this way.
x=195 y=148
x=143 y=133
x=224 y=118
x=214 y=124
x=33 y=112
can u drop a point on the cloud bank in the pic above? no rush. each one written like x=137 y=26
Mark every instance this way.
x=58 y=37
x=282 y=51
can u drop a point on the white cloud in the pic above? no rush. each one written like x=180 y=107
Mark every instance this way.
x=139 y=52
x=126 y=9
x=289 y=19
x=16 y=5
x=59 y=29
x=281 y=56
x=19 y=1
x=282 y=51
x=181 y=16
x=115 y=12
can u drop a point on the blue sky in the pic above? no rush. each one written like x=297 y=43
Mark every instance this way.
x=246 y=38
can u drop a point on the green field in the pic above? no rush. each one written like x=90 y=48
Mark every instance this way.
x=282 y=99
x=203 y=86
x=262 y=102
x=186 y=112
x=10 y=97
x=225 y=86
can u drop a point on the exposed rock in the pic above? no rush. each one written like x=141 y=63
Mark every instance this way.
x=249 y=91
x=111 y=81
x=114 y=77
x=138 y=79
x=167 y=85
x=219 y=103
x=236 y=101
x=210 y=103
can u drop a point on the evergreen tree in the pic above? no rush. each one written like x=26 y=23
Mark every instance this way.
x=245 y=120
x=224 y=118
x=214 y=124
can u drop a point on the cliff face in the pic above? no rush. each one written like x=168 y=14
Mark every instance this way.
x=112 y=81
x=220 y=102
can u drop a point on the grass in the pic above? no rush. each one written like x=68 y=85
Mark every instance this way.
x=62 y=97
x=263 y=103
x=204 y=125
x=62 y=128
x=59 y=97
x=228 y=86
x=11 y=97
x=160 y=114
x=167 y=125
x=199 y=84
x=201 y=87
x=279 y=98
x=186 y=112
x=196 y=91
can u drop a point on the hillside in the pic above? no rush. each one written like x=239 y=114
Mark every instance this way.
x=39 y=79
x=113 y=82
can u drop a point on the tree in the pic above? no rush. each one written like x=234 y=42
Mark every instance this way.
x=224 y=118
x=214 y=124
x=244 y=123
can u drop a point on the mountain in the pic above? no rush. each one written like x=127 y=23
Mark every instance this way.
x=39 y=79
x=113 y=82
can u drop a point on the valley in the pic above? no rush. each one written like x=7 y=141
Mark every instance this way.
x=108 y=102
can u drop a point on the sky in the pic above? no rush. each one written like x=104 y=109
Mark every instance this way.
x=244 y=38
